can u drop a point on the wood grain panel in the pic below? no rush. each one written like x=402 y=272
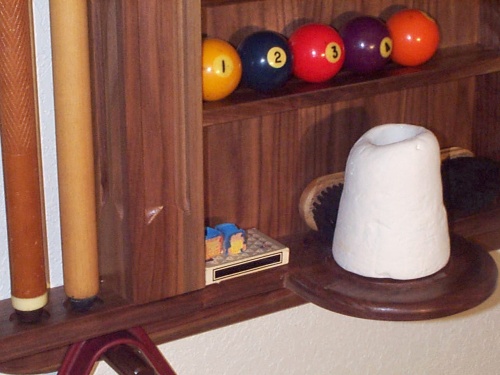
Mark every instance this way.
x=234 y=21
x=107 y=64
x=489 y=32
x=487 y=116
x=256 y=169
x=150 y=146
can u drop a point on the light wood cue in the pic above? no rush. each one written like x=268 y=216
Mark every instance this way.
x=71 y=71
x=20 y=157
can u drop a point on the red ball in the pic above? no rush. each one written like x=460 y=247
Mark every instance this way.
x=415 y=37
x=318 y=52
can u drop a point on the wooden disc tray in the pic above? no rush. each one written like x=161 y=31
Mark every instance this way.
x=468 y=279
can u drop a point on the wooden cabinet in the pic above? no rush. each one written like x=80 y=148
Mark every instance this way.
x=169 y=164
x=150 y=151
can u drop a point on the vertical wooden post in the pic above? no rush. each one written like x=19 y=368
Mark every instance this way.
x=20 y=157
x=71 y=70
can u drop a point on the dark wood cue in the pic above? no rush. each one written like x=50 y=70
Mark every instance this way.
x=21 y=161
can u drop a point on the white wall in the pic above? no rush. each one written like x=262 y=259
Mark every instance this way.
x=302 y=340
x=308 y=340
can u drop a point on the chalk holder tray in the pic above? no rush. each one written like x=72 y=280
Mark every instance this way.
x=467 y=280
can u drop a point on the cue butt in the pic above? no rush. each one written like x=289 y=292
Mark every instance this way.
x=21 y=161
x=74 y=138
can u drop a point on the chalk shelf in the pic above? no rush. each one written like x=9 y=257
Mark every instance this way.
x=468 y=279
x=169 y=164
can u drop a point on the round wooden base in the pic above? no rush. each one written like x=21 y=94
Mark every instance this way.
x=468 y=279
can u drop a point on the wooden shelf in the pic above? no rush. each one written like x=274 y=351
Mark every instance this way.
x=215 y=306
x=449 y=64
x=40 y=347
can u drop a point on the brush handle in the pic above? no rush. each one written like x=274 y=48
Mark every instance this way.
x=71 y=71
x=20 y=157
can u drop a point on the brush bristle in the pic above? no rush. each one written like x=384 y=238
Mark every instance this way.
x=470 y=184
x=325 y=210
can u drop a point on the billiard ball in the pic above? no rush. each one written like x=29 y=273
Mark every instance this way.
x=367 y=43
x=221 y=69
x=266 y=60
x=415 y=37
x=318 y=52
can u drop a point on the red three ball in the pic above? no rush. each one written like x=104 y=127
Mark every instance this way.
x=318 y=52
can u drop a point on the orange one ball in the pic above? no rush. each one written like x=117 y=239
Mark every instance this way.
x=221 y=69
x=415 y=37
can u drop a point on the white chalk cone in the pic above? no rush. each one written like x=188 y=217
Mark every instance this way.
x=392 y=222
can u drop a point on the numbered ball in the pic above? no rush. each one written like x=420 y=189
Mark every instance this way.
x=266 y=60
x=221 y=69
x=368 y=44
x=415 y=37
x=318 y=52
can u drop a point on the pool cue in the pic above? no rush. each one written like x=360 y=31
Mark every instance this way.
x=21 y=161
x=72 y=100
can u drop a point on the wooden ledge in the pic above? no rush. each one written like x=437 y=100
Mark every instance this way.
x=41 y=347
x=449 y=64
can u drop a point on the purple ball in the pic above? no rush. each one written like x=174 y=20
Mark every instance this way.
x=368 y=44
